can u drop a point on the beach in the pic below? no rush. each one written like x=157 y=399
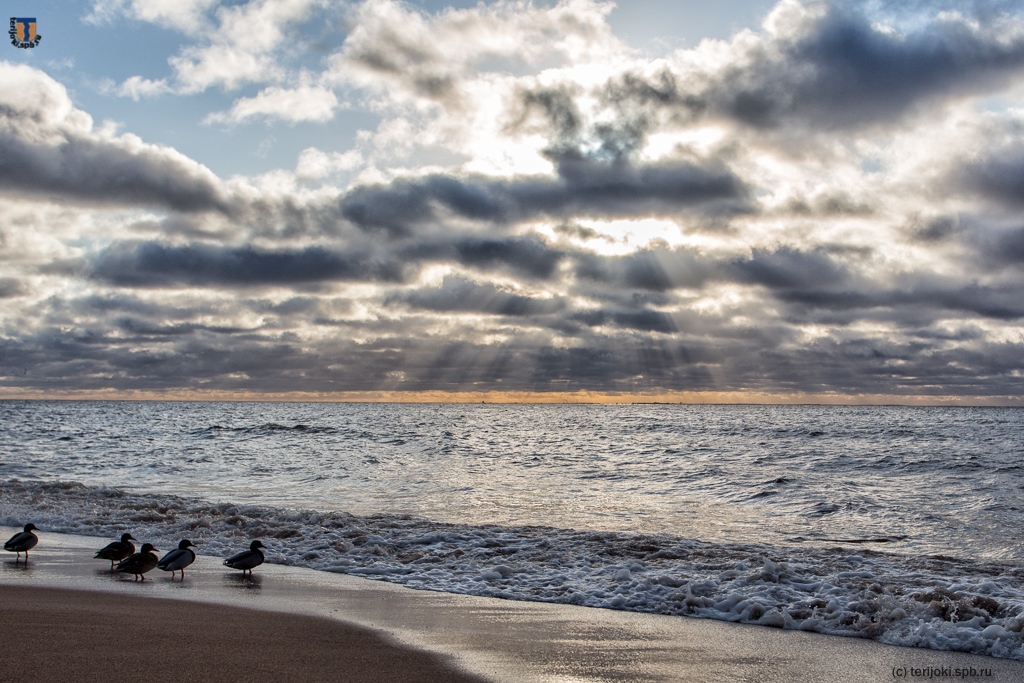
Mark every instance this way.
x=65 y=609
x=63 y=635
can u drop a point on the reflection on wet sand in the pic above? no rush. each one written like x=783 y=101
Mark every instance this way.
x=243 y=581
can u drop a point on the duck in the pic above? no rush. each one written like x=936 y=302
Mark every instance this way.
x=247 y=559
x=118 y=550
x=22 y=542
x=139 y=563
x=178 y=559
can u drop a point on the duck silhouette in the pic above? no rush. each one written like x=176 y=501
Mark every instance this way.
x=178 y=559
x=139 y=563
x=247 y=559
x=22 y=542
x=117 y=551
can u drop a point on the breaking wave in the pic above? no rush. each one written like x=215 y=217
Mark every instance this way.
x=934 y=601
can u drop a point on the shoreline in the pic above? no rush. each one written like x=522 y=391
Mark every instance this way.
x=58 y=634
x=500 y=640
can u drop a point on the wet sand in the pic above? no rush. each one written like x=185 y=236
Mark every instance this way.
x=497 y=640
x=62 y=635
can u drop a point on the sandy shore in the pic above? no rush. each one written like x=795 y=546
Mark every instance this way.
x=351 y=627
x=63 y=635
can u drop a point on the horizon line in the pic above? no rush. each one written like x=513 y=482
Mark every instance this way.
x=519 y=397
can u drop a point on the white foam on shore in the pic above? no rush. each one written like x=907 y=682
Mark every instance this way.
x=934 y=602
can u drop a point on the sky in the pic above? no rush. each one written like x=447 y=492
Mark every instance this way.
x=748 y=201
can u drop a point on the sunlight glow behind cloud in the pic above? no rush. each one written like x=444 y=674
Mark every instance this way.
x=511 y=198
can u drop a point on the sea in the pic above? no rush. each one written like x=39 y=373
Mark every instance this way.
x=900 y=524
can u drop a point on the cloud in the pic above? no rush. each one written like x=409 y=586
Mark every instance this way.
x=11 y=287
x=49 y=148
x=788 y=269
x=524 y=256
x=393 y=46
x=315 y=164
x=240 y=46
x=997 y=177
x=294 y=105
x=997 y=247
x=583 y=187
x=656 y=270
x=150 y=264
x=138 y=88
x=828 y=66
x=459 y=295
x=182 y=15
x=827 y=204
x=645 y=320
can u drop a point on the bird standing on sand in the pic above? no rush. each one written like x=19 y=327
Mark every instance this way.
x=247 y=559
x=117 y=551
x=178 y=559
x=139 y=563
x=22 y=542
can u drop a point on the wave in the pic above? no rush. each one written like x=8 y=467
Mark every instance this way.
x=266 y=429
x=935 y=602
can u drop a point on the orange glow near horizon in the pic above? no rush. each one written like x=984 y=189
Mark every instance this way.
x=579 y=397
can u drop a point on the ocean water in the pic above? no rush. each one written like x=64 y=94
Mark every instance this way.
x=893 y=523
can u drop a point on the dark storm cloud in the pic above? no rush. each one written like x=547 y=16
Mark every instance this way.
x=10 y=288
x=121 y=304
x=524 y=256
x=919 y=305
x=296 y=305
x=644 y=320
x=839 y=71
x=605 y=144
x=141 y=329
x=460 y=295
x=653 y=269
x=48 y=148
x=710 y=353
x=999 y=178
x=557 y=107
x=935 y=229
x=99 y=171
x=1005 y=247
x=619 y=188
x=788 y=268
x=398 y=207
x=118 y=318
x=583 y=187
x=149 y=264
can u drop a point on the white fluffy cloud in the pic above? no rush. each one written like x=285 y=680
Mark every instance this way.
x=396 y=47
x=315 y=164
x=183 y=15
x=238 y=44
x=304 y=103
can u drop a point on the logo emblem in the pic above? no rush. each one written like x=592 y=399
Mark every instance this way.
x=23 y=32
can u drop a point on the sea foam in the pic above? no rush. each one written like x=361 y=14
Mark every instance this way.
x=934 y=601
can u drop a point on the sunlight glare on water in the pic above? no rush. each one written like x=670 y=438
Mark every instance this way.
x=921 y=479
